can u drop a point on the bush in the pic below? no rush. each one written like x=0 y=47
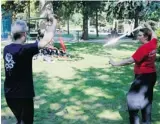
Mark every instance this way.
x=158 y=34
x=158 y=49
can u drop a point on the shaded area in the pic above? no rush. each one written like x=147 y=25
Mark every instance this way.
x=158 y=70
x=90 y=99
x=94 y=95
x=97 y=48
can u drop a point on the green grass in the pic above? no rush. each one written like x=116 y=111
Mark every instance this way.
x=90 y=36
x=83 y=89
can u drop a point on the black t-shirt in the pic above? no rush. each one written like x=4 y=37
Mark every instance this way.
x=18 y=70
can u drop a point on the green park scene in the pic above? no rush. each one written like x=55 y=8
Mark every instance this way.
x=85 y=74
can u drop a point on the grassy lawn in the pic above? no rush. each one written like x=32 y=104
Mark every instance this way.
x=84 y=89
x=91 y=36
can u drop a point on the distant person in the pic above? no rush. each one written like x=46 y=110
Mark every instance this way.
x=112 y=33
x=115 y=32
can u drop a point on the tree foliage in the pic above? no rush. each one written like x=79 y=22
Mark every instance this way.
x=89 y=9
x=153 y=12
x=96 y=8
x=126 y=9
x=20 y=9
x=137 y=10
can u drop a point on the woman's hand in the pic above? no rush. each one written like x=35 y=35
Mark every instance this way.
x=148 y=25
x=112 y=62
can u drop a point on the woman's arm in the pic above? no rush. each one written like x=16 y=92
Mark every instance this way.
x=124 y=62
x=149 y=27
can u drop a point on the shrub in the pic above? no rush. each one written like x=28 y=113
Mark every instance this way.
x=158 y=34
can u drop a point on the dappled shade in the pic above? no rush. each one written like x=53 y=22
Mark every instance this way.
x=84 y=91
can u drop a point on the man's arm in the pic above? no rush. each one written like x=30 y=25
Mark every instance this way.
x=149 y=27
x=124 y=62
x=49 y=34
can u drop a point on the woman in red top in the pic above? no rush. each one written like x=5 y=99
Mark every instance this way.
x=140 y=94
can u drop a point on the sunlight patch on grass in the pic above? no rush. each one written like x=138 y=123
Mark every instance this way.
x=39 y=102
x=73 y=112
x=40 y=96
x=157 y=122
x=85 y=91
x=7 y=112
x=108 y=114
x=78 y=102
x=96 y=92
x=55 y=106
x=155 y=90
x=54 y=69
x=60 y=87
x=73 y=99
x=92 y=99
x=103 y=77
x=97 y=105
x=90 y=61
x=64 y=100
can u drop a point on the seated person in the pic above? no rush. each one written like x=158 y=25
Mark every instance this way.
x=50 y=50
x=62 y=52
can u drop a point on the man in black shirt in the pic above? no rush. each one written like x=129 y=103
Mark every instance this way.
x=18 y=85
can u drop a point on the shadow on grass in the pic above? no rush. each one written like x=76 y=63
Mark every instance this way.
x=93 y=96
x=76 y=49
x=158 y=70
x=101 y=95
x=96 y=48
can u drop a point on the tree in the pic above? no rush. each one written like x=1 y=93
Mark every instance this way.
x=64 y=10
x=128 y=10
x=13 y=7
x=46 y=8
x=21 y=9
x=77 y=19
x=85 y=12
x=89 y=9
x=68 y=11
x=83 y=8
x=153 y=11
x=97 y=7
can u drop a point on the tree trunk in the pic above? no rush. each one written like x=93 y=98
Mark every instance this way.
x=29 y=17
x=97 y=23
x=136 y=18
x=68 y=25
x=85 y=21
x=43 y=12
